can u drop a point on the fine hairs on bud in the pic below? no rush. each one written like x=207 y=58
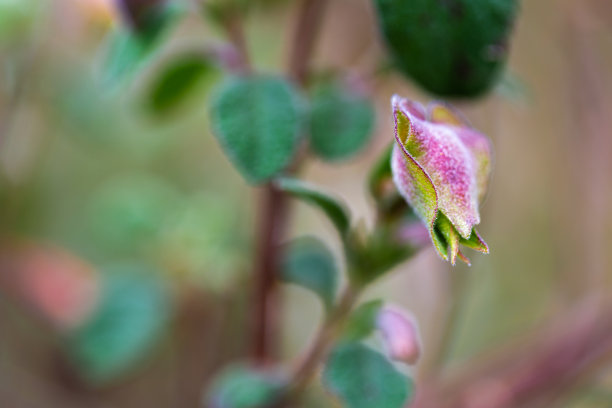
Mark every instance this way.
x=400 y=334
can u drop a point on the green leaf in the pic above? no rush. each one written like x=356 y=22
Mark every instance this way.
x=334 y=210
x=341 y=122
x=364 y=378
x=178 y=81
x=127 y=215
x=362 y=321
x=380 y=174
x=130 y=318
x=450 y=48
x=17 y=18
x=257 y=120
x=310 y=264
x=243 y=387
x=127 y=50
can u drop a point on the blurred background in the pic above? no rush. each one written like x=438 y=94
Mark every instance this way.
x=126 y=237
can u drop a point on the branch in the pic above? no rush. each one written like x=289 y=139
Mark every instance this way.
x=571 y=350
x=309 y=22
x=274 y=208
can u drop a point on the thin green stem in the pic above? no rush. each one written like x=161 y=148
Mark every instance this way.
x=457 y=292
x=328 y=333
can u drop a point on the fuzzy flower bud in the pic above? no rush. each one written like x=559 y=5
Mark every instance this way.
x=400 y=334
x=441 y=167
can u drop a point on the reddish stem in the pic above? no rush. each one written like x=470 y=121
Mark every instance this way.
x=273 y=219
x=274 y=208
x=308 y=24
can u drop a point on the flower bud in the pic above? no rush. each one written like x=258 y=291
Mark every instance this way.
x=400 y=334
x=441 y=167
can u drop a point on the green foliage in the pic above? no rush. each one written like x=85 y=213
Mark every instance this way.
x=333 y=208
x=17 y=17
x=131 y=315
x=203 y=241
x=364 y=378
x=257 y=120
x=243 y=387
x=362 y=321
x=389 y=203
x=129 y=50
x=450 y=48
x=126 y=215
x=341 y=122
x=179 y=80
x=309 y=263
x=372 y=257
x=380 y=173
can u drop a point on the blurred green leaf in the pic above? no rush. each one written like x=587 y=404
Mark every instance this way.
x=128 y=50
x=130 y=318
x=257 y=120
x=310 y=264
x=333 y=208
x=243 y=387
x=364 y=378
x=362 y=321
x=450 y=48
x=204 y=242
x=178 y=81
x=512 y=87
x=341 y=121
x=17 y=17
x=126 y=215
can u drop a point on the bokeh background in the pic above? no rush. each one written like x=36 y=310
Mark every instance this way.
x=127 y=238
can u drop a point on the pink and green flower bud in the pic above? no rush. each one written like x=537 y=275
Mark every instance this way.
x=441 y=166
x=400 y=334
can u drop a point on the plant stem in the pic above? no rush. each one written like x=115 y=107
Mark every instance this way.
x=274 y=207
x=454 y=307
x=235 y=33
x=327 y=335
x=273 y=218
x=309 y=22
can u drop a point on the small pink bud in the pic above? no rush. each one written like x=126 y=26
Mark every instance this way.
x=400 y=333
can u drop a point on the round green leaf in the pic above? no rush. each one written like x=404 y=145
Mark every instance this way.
x=257 y=120
x=364 y=378
x=177 y=81
x=310 y=264
x=129 y=319
x=243 y=387
x=450 y=48
x=341 y=122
